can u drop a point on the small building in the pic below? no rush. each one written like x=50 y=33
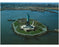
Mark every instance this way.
x=27 y=28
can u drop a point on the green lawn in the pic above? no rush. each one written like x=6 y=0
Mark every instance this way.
x=38 y=25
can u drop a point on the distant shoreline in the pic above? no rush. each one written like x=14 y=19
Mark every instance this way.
x=30 y=8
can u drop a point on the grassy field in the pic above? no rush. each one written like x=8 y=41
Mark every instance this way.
x=38 y=29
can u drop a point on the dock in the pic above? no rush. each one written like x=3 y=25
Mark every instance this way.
x=11 y=20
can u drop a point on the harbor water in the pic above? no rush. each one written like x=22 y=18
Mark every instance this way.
x=47 y=18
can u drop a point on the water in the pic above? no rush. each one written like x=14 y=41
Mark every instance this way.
x=47 y=18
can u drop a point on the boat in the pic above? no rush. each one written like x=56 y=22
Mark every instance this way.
x=57 y=30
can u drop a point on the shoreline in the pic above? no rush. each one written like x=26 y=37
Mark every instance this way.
x=22 y=34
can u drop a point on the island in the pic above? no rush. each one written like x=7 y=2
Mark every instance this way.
x=28 y=27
